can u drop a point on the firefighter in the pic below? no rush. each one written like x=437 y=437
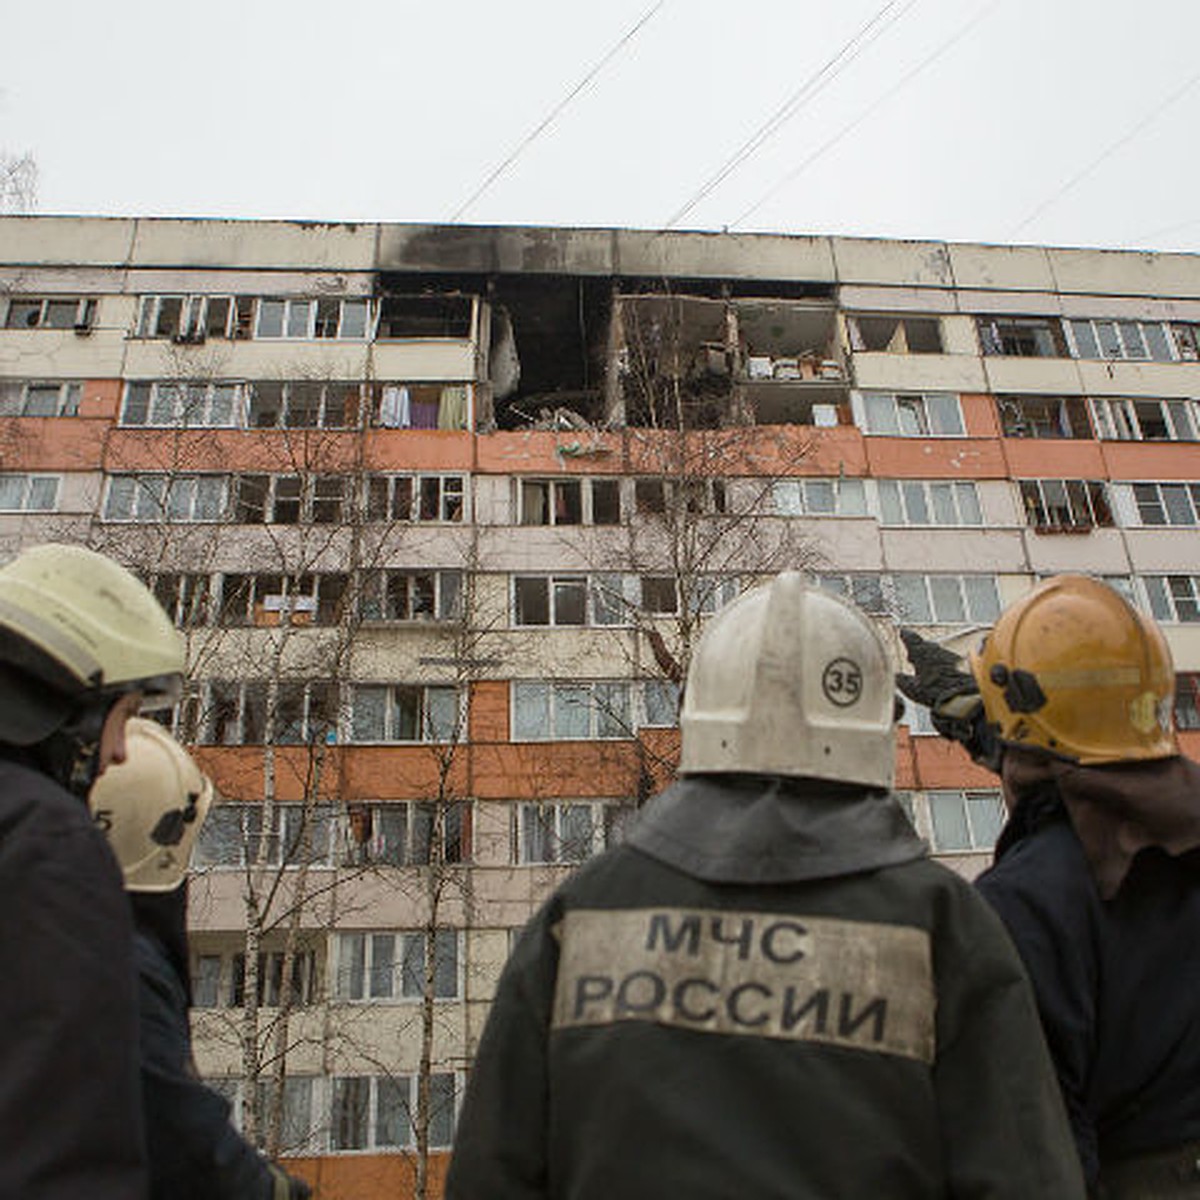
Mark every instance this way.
x=83 y=645
x=769 y=989
x=1097 y=870
x=151 y=808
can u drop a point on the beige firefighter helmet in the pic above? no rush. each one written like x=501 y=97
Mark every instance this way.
x=1074 y=669
x=151 y=807
x=82 y=625
x=790 y=680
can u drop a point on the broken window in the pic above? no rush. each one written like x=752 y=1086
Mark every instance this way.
x=1147 y=420
x=1022 y=337
x=895 y=333
x=346 y=319
x=424 y=317
x=1054 y=505
x=1121 y=339
x=183 y=318
x=50 y=312
x=551 y=501
x=659 y=594
x=415 y=498
x=393 y=595
x=650 y=496
x=1044 y=416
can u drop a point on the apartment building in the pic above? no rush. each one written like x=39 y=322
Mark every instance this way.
x=442 y=510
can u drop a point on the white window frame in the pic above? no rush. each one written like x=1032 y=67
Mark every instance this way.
x=191 y=404
x=909 y=496
x=806 y=497
x=1183 y=494
x=450 y=501
x=400 y=833
x=32 y=492
x=982 y=813
x=879 y=595
x=83 y=319
x=161 y=497
x=1117 y=418
x=408 y=1105
x=431 y=726
x=1119 y=338
x=575 y=710
x=919 y=410
x=362 y=976
x=229 y=839
x=376 y=596
x=542 y=835
x=18 y=398
x=1173 y=598
x=291 y=314
x=1087 y=518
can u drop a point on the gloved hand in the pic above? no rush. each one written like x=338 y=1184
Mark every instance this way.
x=286 y=1187
x=952 y=697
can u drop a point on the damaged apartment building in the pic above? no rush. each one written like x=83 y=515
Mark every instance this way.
x=442 y=511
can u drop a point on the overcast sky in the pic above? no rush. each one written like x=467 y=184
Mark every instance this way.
x=1067 y=122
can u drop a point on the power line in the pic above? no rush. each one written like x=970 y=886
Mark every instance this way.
x=846 y=130
x=554 y=112
x=806 y=92
x=1106 y=154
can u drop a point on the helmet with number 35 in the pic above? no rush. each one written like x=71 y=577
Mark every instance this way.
x=790 y=680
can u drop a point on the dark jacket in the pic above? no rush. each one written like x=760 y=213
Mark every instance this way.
x=70 y=1104
x=1117 y=982
x=194 y=1150
x=770 y=992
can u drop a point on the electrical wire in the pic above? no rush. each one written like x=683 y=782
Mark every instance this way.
x=1106 y=154
x=807 y=91
x=554 y=112
x=846 y=130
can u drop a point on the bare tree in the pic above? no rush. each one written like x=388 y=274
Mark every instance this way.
x=18 y=182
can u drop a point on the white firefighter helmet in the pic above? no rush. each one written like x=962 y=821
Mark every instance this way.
x=75 y=626
x=151 y=807
x=790 y=680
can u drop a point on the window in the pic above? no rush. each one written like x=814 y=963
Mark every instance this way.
x=303 y=404
x=1022 y=337
x=233 y=835
x=660 y=703
x=391 y=966
x=699 y=497
x=28 y=493
x=423 y=406
x=349 y=320
x=406 y=834
x=707 y=594
x=921 y=599
x=1187 y=700
x=182 y=404
x=965 y=820
x=819 y=497
x=917 y=502
x=376 y=1112
x=1057 y=505
x=39 y=398
x=152 y=497
x=1167 y=503
x=946 y=599
x=424 y=316
x=568 y=832
x=184 y=596
x=285 y=318
x=291 y=499
x=299 y=1113
x=415 y=498
x=895 y=333
x=281 y=599
x=659 y=594
x=405 y=713
x=219 y=980
x=550 y=600
x=912 y=415
x=184 y=318
x=1174 y=597
x=50 y=312
x=391 y=595
x=1044 y=416
x=1147 y=420
x=572 y=711
x=226 y=712
x=1120 y=339
x=569 y=501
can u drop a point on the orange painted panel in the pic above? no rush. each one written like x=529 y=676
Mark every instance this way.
x=944 y=764
x=906 y=768
x=419 y=450
x=1189 y=743
x=548 y=770
x=101 y=398
x=232 y=450
x=54 y=443
x=489 y=711
x=369 y=1176
x=408 y=772
x=1054 y=458
x=237 y=771
x=1152 y=460
x=535 y=451
x=980 y=418
x=935 y=458
x=750 y=450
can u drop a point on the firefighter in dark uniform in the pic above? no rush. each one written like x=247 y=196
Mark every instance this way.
x=83 y=645
x=1097 y=871
x=151 y=808
x=768 y=990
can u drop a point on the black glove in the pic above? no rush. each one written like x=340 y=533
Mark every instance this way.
x=287 y=1187
x=952 y=697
